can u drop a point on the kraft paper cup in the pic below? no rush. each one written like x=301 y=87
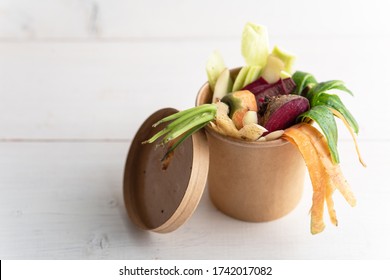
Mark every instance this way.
x=252 y=181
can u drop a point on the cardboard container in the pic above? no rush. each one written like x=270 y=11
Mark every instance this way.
x=252 y=181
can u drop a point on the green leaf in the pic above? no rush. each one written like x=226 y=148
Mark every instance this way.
x=214 y=67
x=254 y=44
x=183 y=138
x=188 y=112
x=326 y=86
x=246 y=76
x=188 y=125
x=302 y=80
x=183 y=122
x=253 y=74
x=333 y=101
x=287 y=58
x=325 y=119
x=240 y=80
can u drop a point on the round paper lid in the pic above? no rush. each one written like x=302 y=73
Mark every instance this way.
x=162 y=195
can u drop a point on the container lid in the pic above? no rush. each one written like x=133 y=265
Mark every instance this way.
x=162 y=195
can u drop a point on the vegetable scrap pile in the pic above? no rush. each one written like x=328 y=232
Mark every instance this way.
x=266 y=100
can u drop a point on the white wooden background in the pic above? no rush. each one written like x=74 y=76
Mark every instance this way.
x=78 y=77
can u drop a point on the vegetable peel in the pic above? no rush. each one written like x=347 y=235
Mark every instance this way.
x=350 y=129
x=225 y=126
x=325 y=176
x=264 y=97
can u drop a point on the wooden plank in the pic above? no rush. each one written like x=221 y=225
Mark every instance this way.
x=64 y=201
x=79 y=77
x=87 y=90
x=101 y=19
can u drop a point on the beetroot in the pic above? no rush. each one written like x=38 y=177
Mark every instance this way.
x=262 y=89
x=257 y=86
x=281 y=112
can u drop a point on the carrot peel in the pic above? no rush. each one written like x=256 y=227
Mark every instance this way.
x=325 y=176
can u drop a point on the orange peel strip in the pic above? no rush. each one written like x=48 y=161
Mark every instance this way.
x=333 y=170
x=322 y=149
x=325 y=176
x=317 y=175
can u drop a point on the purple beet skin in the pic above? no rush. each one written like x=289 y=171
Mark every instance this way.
x=282 y=111
x=262 y=89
